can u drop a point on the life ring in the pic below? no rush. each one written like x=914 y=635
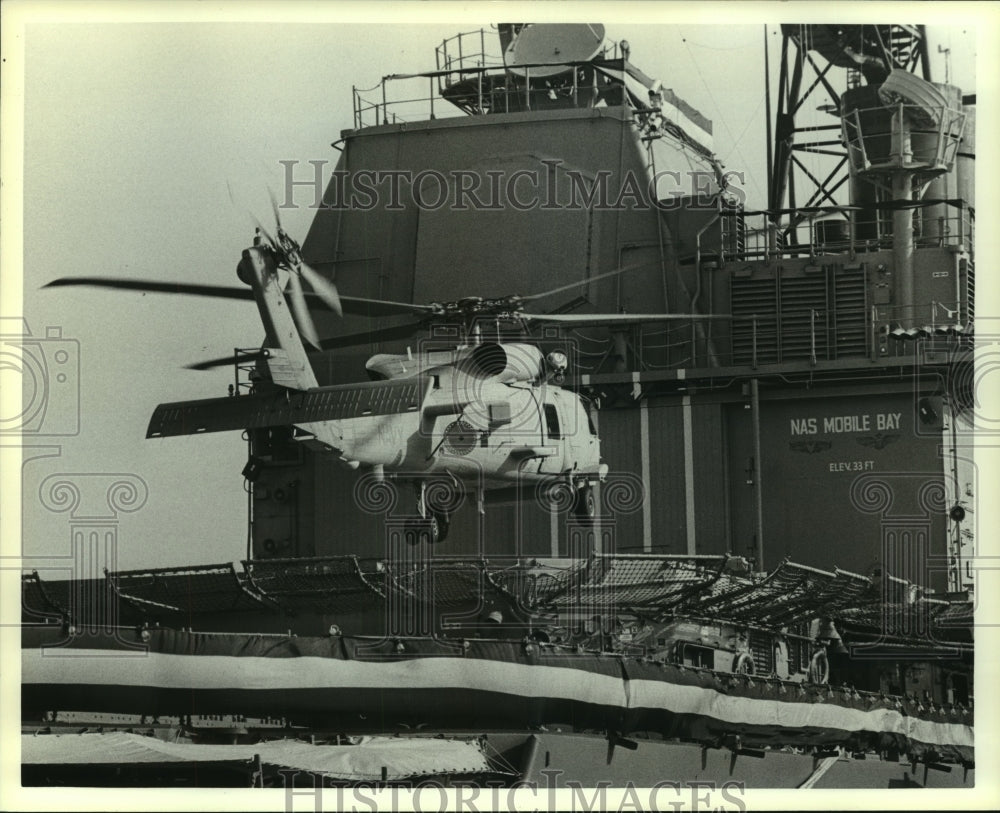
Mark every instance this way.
x=819 y=667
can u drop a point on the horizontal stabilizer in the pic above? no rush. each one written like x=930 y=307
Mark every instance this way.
x=287 y=408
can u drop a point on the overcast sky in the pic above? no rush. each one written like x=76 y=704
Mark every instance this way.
x=134 y=133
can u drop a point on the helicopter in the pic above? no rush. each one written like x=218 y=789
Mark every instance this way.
x=484 y=414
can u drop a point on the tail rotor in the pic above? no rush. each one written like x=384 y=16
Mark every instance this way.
x=288 y=255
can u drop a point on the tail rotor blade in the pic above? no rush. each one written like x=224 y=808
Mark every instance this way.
x=301 y=311
x=274 y=207
x=324 y=288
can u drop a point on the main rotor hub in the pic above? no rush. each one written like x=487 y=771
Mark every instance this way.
x=506 y=307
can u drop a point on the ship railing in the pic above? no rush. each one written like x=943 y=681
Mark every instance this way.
x=753 y=339
x=824 y=230
x=244 y=370
x=461 y=89
x=459 y=58
x=808 y=335
x=465 y=50
x=372 y=105
x=404 y=98
x=805 y=336
x=873 y=137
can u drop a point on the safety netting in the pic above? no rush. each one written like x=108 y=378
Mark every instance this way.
x=655 y=587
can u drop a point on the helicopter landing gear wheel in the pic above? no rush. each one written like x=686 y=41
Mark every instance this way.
x=585 y=505
x=440 y=523
x=431 y=529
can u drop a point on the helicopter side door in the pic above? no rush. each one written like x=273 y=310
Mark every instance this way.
x=515 y=426
x=557 y=426
x=585 y=446
x=492 y=436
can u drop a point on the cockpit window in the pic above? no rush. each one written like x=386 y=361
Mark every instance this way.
x=552 y=422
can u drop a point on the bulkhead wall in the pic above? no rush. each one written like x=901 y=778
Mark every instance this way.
x=850 y=477
x=494 y=205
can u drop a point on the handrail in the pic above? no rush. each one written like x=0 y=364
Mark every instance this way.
x=942 y=121
x=859 y=235
x=496 y=94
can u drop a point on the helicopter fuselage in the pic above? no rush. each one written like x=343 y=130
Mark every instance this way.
x=475 y=429
x=490 y=414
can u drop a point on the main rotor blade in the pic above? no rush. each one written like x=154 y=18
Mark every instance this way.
x=354 y=305
x=301 y=310
x=253 y=218
x=587 y=281
x=333 y=343
x=223 y=361
x=598 y=319
x=274 y=208
x=153 y=286
x=360 y=306
x=384 y=334
x=324 y=289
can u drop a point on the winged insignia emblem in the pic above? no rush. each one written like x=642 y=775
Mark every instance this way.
x=877 y=441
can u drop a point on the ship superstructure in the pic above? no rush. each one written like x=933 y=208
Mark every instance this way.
x=847 y=324
x=779 y=528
